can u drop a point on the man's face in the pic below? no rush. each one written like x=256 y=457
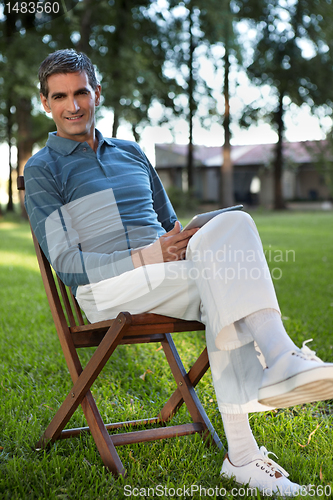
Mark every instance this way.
x=72 y=101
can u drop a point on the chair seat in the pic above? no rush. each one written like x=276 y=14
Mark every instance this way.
x=144 y=328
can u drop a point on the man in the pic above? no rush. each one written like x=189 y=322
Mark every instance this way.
x=105 y=223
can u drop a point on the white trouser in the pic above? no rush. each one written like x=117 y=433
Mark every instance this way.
x=224 y=278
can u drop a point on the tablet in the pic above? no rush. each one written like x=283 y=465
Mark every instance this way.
x=201 y=219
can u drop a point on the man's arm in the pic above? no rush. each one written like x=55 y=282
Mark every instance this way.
x=161 y=203
x=170 y=246
x=60 y=242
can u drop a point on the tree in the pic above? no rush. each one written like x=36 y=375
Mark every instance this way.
x=21 y=50
x=130 y=64
x=214 y=24
x=123 y=38
x=182 y=41
x=188 y=43
x=219 y=21
x=287 y=32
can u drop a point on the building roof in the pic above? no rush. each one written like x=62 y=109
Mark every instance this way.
x=174 y=155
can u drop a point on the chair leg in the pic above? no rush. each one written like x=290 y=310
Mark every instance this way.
x=101 y=437
x=185 y=391
x=80 y=393
x=195 y=374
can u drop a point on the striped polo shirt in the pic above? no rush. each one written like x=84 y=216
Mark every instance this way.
x=89 y=209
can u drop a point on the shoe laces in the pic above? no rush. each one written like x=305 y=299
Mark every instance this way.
x=272 y=466
x=307 y=353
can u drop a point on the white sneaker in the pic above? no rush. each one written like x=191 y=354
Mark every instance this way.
x=296 y=377
x=262 y=473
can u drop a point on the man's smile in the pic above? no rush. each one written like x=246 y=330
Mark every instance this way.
x=73 y=118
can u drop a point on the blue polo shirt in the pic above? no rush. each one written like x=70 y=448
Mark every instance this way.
x=88 y=210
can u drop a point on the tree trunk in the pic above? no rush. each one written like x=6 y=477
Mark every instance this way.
x=115 y=124
x=190 y=162
x=135 y=133
x=279 y=203
x=121 y=34
x=24 y=142
x=85 y=27
x=227 y=182
x=10 y=204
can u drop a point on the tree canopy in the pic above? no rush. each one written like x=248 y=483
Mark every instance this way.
x=149 y=52
x=292 y=56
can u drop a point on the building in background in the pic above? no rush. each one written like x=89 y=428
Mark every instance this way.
x=253 y=172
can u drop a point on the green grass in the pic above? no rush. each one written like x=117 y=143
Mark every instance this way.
x=34 y=379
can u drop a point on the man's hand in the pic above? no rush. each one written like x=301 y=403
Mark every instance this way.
x=169 y=247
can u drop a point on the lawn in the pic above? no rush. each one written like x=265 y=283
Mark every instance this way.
x=34 y=378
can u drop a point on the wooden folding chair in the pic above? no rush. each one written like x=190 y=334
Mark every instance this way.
x=73 y=333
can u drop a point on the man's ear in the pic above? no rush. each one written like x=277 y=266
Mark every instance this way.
x=45 y=103
x=98 y=91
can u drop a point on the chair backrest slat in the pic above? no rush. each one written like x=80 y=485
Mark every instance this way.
x=68 y=303
x=77 y=309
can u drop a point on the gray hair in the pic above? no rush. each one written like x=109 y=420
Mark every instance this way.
x=65 y=61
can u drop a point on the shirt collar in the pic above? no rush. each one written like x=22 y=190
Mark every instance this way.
x=66 y=147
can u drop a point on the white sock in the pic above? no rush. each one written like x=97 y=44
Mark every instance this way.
x=242 y=447
x=267 y=330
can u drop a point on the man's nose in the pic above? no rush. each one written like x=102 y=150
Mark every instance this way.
x=73 y=105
